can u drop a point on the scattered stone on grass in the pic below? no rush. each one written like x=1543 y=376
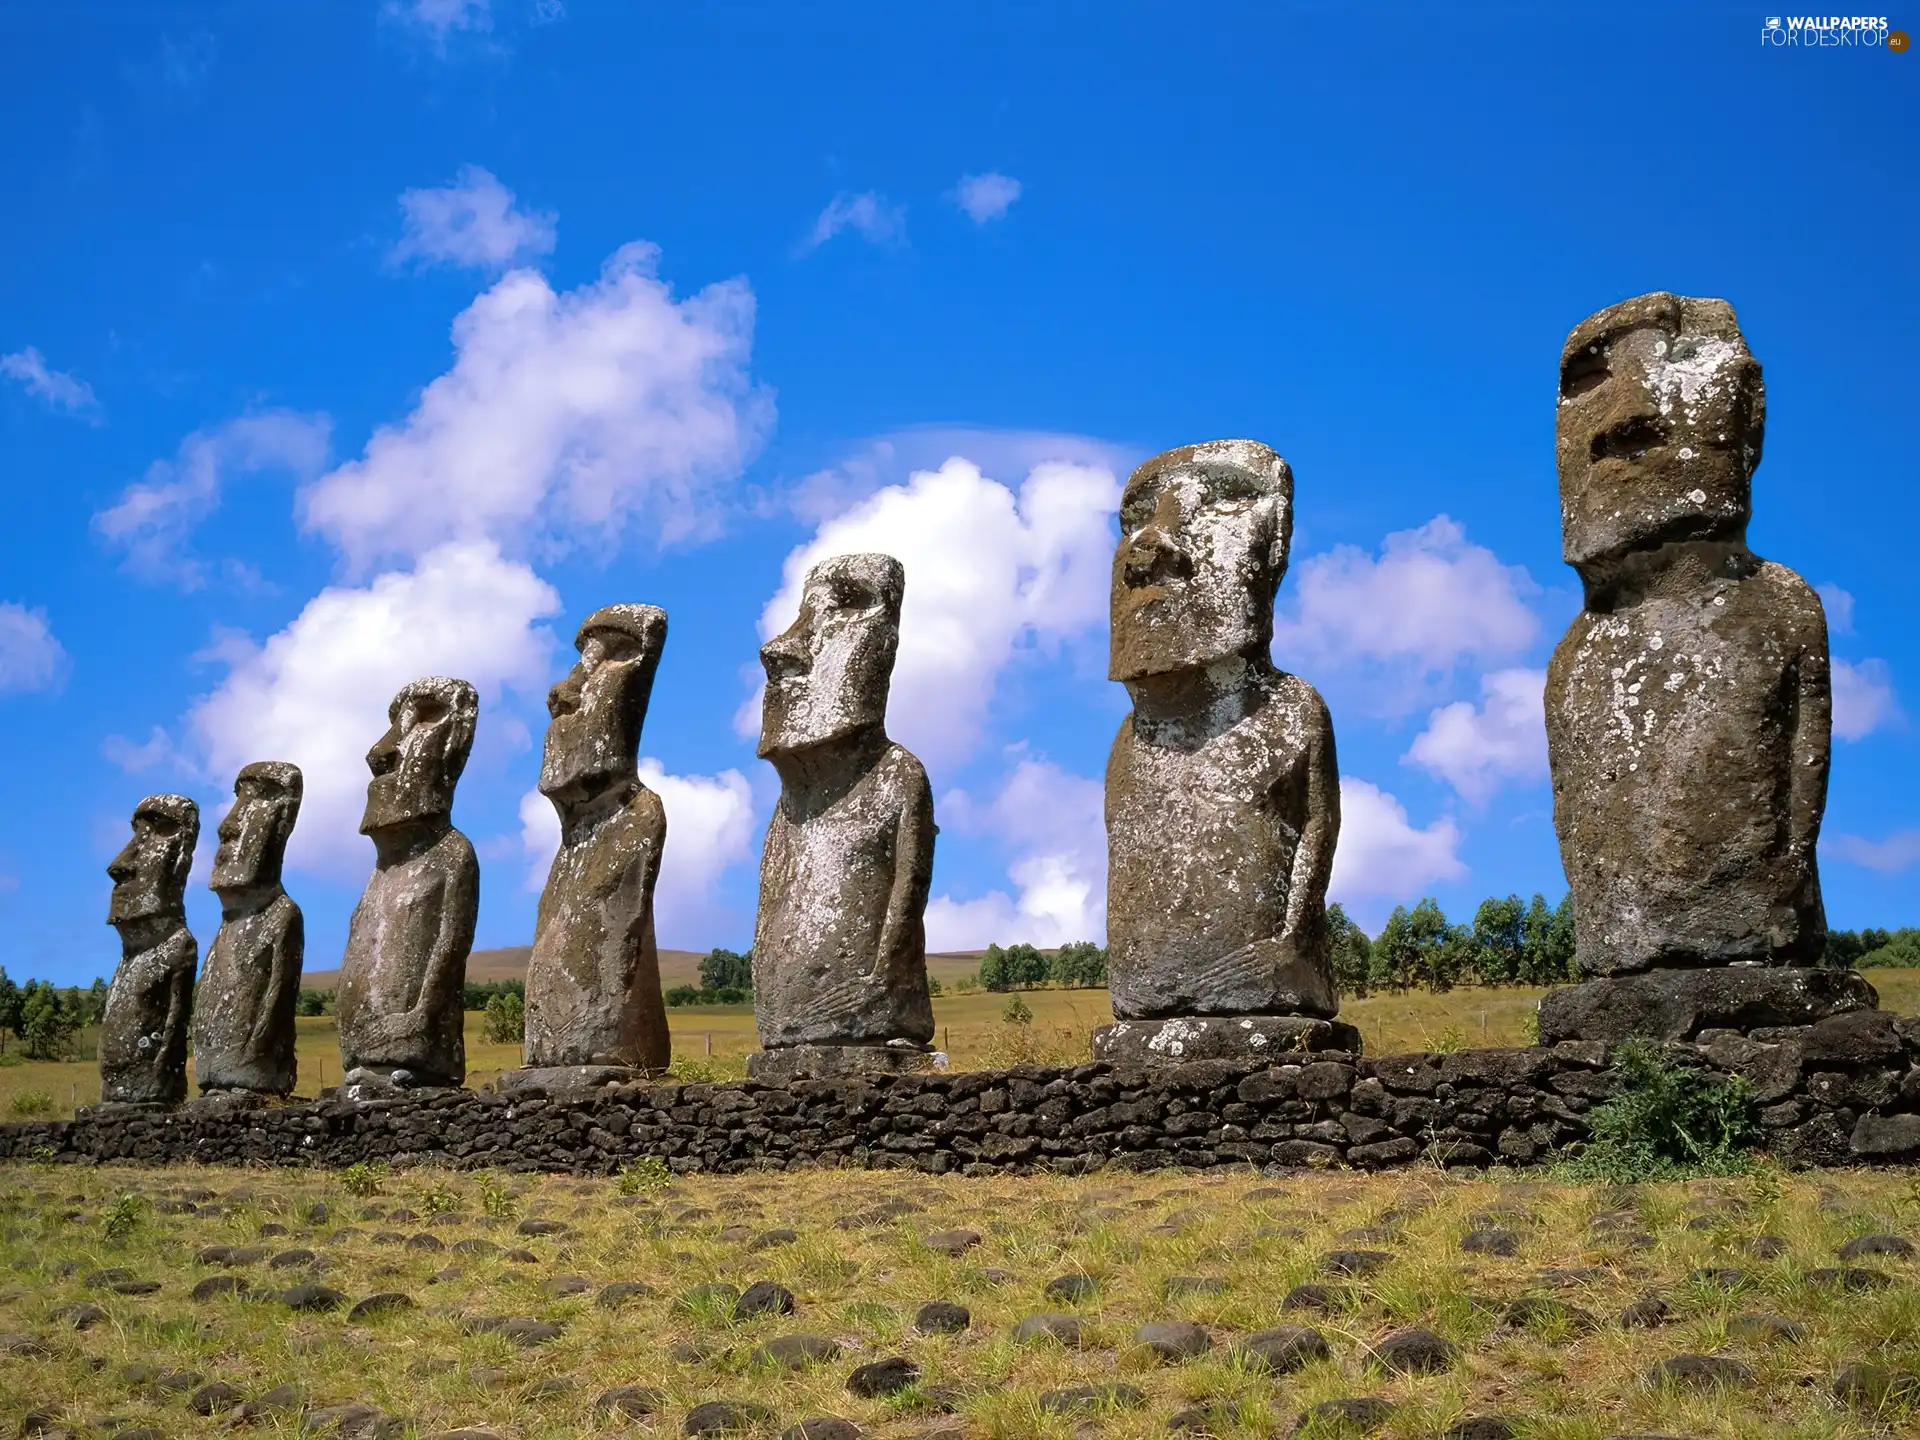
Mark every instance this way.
x=795 y=1352
x=1502 y=1243
x=942 y=1317
x=1073 y=1289
x=1867 y=1386
x=823 y=1427
x=1758 y=1328
x=1353 y=1264
x=1646 y=1314
x=633 y=1402
x=1700 y=1372
x=1174 y=1340
x=881 y=1378
x=1865 y=1246
x=214 y=1399
x=763 y=1297
x=1091 y=1399
x=720 y=1417
x=1282 y=1349
x=1321 y=1297
x=622 y=1292
x=1414 y=1351
x=1048 y=1325
x=1350 y=1415
x=382 y=1302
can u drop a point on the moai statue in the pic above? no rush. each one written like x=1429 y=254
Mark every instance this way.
x=1688 y=706
x=243 y=1019
x=402 y=981
x=840 y=946
x=1223 y=794
x=593 y=982
x=143 y=1036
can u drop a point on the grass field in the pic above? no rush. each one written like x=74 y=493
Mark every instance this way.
x=511 y=1333
x=969 y=1027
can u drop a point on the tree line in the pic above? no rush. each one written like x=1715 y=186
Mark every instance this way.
x=41 y=1021
x=1077 y=965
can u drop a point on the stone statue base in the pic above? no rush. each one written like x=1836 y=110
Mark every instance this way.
x=538 y=1080
x=1679 y=1004
x=365 y=1083
x=216 y=1103
x=121 y=1109
x=829 y=1062
x=1179 y=1038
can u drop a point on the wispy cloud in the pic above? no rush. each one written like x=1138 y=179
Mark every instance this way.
x=869 y=215
x=986 y=197
x=30 y=658
x=473 y=222
x=62 y=392
x=1899 y=851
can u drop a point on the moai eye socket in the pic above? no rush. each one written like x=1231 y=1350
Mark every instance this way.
x=1584 y=371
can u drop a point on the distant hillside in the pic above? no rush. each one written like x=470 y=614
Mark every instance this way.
x=677 y=967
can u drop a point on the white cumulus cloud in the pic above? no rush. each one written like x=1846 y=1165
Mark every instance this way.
x=1863 y=698
x=30 y=658
x=1428 y=601
x=60 y=391
x=157 y=514
x=317 y=692
x=710 y=827
x=1052 y=823
x=154 y=750
x=868 y=215
x=564 y=417
x=473 y=222
x=990 y=573
x=1838 y=604
x=986 y=197
x=1383 y=859
x=1474 y=748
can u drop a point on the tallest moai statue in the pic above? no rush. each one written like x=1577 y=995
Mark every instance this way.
x=1688 y=706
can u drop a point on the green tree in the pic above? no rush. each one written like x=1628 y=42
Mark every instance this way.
x=1418 y=947
x=1499 y=940
x=46 y=1026
x=1352 y=952
x=95 y=1006
x=506 y=1019
x=726 y=970
x=1078 y=965
x=1560 y=941
x=1843 y=950
x=9 y=1008
x=1026 y=966
x=993 y=969
x=1902 y=949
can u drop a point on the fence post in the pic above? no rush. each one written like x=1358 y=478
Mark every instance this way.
x=709 y=1042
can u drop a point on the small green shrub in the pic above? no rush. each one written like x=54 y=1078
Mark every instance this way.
x=647 y=1175
x=497 y=1200
x=505 y=1020
x=435 y=1199
x=11 y=1058
x=1017 y=1012
x=362 y=1178
x=31 y=1102
x=122 y=1218
x=1667 y=1121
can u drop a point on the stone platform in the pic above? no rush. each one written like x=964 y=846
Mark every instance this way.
x=1176 y=1039
x=831 y=1062
x=567 y=1079
x=1680 y=1004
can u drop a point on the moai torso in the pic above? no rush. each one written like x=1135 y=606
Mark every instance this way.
x=243 y=1030
x=143 y=1036
x=1689 y=706
x=403 y=978
x=1687 y=782
x=840 y=946
x=593 y=983
x=1203 y=917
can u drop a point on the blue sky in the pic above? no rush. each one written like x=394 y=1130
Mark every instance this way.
x=349 y=342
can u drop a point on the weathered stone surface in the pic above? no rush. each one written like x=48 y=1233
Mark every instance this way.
x=1223 y=796
x=839 y=949
x=143 y=1035
x=593 y=980
x=405 y=968
x=1219 y=1037
x=1679 y=1004
x=243 y=1009
x=824 y=1062
x=1688 y=706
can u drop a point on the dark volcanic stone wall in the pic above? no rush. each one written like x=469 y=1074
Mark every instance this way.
x=1847 y=1089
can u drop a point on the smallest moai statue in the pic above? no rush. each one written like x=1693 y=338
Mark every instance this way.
x=595 y=1014
x=1688 y=707
x=840 y=945
x=243 y=1025
x=143 y=1037
x=405 y=971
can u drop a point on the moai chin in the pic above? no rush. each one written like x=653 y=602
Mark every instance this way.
x=243 y=1026
x=839 y=947
x=1688 y=706
x=1223 y=792
x=143 y=1036
x=593 y=982
x=405 y=970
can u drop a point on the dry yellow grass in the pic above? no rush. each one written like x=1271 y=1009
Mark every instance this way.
x=859 y=1273
x=970 y=1028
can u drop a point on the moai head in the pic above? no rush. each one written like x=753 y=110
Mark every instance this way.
x=150 y=873
x=594 y=737
x=828 y=672
x=1203 y=546
x=253 y=834
x=418 y=761
x=1660 y=418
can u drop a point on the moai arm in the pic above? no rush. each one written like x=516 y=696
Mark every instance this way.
x=446 y=966
x=1812 y=743
x=1313 y=857
x=283 y=967
x=912 y=870
x=180 y=988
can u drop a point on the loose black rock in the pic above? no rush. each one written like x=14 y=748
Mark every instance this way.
x=942 y=1317
x=763 y=1297
x=1700 y=1372
x=1073 y=1289
x=1282 y=1349
x=795 y=1352
x=719 y=1417
x=1359 y=1414
x=1415 y=1352
x=634 y=1402
x=883 y=1377
x=1174 y=1340
x=1090 y=1399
